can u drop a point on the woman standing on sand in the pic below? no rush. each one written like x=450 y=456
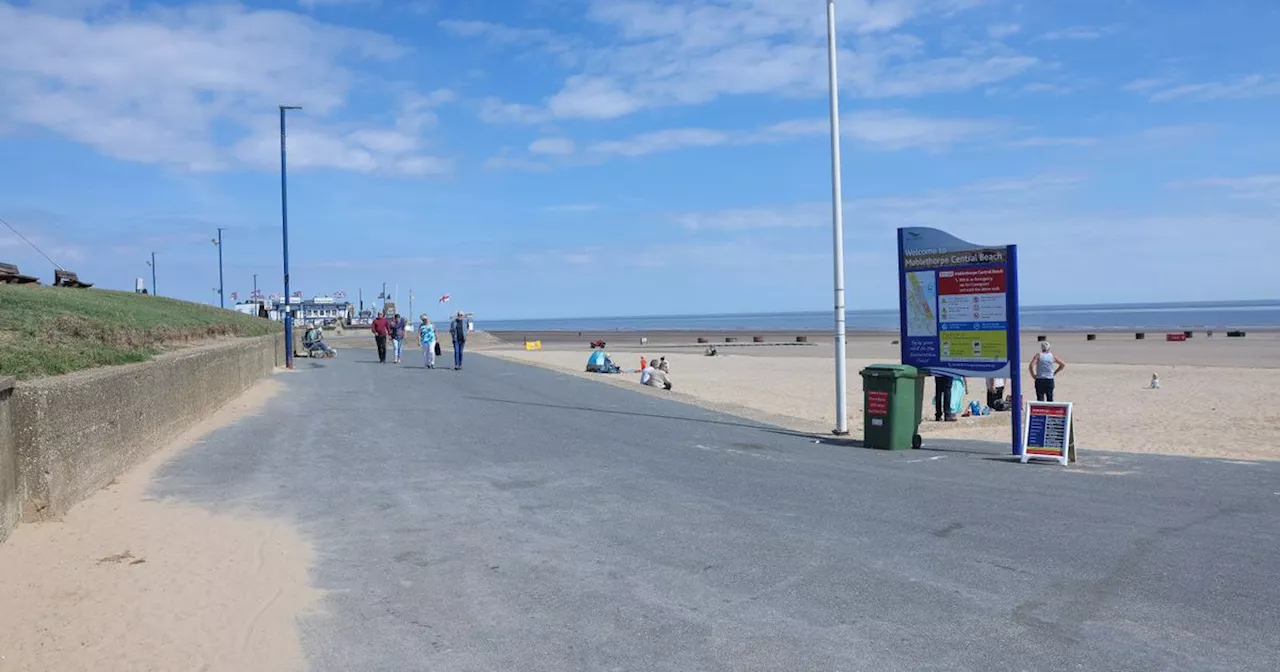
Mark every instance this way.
x=1045 y=367
x=427 y=339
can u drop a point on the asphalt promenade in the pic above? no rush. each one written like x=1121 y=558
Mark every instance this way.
x=511 y=518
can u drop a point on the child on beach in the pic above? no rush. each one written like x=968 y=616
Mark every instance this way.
x=427 y=339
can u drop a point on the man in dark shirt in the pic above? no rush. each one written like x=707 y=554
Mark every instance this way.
x=381 y=328
x=458 y=331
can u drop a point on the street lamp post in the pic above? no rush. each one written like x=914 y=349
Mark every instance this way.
x=837 y=224
x=284 y=232
x=222 y=301
x=152 y=264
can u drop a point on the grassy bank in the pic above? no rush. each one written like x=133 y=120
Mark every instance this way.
x=47 y=331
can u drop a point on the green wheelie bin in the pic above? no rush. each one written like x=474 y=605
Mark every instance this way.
x=892 y=396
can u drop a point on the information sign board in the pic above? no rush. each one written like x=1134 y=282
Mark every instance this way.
x=958 y=308
x=1048 y=432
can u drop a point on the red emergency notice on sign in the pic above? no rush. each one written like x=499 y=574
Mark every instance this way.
x=989 y=280
x=878 y=403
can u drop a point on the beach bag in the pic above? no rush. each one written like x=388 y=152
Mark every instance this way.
x=437 y=348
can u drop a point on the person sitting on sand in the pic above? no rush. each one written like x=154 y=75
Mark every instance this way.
x=995 y=394
x=711 y=351
x=663 y=366
x=601 y=362
x=596 y=361
x=654 y=377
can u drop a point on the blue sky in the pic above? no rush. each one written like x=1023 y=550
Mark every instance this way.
x=599 y=157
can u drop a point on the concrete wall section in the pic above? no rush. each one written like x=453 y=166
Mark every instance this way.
x=8 y=463
x=76 y=433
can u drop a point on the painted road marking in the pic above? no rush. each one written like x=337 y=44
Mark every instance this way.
x=735 y=451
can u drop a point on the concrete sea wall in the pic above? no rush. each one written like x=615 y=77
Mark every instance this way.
x=69 y=436
x=8 y=463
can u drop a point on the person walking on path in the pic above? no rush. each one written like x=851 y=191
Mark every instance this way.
x=381 y=328
x=398 y=329
x=427 y=339
x=458 y=331
x=1045 y=367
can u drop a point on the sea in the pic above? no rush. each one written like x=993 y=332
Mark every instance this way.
x=1220 y=315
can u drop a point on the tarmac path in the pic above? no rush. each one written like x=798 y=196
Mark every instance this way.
x=510 y=518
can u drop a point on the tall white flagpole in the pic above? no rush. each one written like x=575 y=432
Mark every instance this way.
x=837 y=224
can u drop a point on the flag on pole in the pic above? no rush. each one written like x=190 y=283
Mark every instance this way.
x=445 y=298
x=235 y=296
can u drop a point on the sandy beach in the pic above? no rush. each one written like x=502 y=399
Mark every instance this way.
x=1218 y=396
x=127 y=582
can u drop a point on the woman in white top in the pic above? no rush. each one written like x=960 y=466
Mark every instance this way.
x=1045 y=366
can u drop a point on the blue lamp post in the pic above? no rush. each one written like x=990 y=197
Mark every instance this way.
x=222 y=301
x=284 y=230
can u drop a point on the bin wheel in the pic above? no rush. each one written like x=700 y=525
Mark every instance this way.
x=916 y=442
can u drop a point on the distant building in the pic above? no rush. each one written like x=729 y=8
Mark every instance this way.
x=324 y=309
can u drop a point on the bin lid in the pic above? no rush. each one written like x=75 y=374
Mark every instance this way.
x=890 y=371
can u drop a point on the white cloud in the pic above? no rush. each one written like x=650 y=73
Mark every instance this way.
x=1050 y=141
x=685 y=53
x=753 y=219
x=32 y=262
x=1079 y=33
x=516 y=163
x=494 y=111
x=901 y=130
x=1250 y=86
x=585 y=97
x=1145 y=85
x=662 y=141
x=883 y=129
x=497 y=32
x=888 y=129
x=1002 y=30
x=960 y=208
x=1058 y=233
x=398 y=149
x=175 y=86
x=1049 y=88
x=552 y=146
x=1253 y=187
x=565 y=48
x=312 y=4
